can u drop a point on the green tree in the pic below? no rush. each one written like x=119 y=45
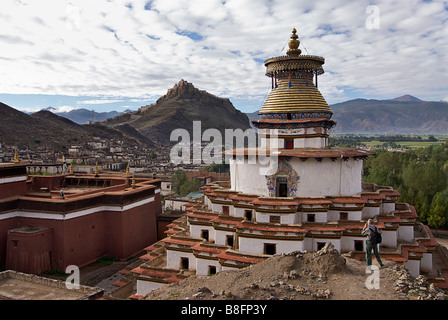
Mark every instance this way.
x=438 y=214
x=188 y=186
x=177 y=180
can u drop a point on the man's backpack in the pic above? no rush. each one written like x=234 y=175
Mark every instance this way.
x=376 y=236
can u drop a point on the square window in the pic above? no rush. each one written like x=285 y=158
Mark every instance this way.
x=274 y=219
x=204 y=234
x=270 y=248
x=211 y=270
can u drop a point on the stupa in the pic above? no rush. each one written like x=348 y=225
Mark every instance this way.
x=314 y=194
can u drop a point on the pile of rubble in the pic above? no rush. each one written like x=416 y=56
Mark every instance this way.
x=411 y=288
x=302 y=275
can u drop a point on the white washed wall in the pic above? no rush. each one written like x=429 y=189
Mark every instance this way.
x=256 y=246
x=413 y=267
x=387 y=207
x=202 y=266
x=335 y=178
x=389 y=238
x=196 y=231
x=144 y=287
x=221 y=236
x=173 y=259
x=406 y=233
x=426 y=262
x=370 y=212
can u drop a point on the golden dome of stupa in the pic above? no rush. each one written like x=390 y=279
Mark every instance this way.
x=294 y=85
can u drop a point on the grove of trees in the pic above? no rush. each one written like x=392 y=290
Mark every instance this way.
x=420 y=175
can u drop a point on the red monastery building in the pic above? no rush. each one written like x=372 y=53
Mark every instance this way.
x=311 y=195
x=99 y=215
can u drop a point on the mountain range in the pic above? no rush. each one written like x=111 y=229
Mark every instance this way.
x=402 y=115
x=183 y=104
x=46 y=129
x=83 y=116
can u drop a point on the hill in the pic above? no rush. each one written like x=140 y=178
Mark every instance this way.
x=46 y=129
x=322 y=275
x=402 y=115
x=178 y=108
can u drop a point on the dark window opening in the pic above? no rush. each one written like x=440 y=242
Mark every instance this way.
x=320 y=245
x=211 y=270
x=184 y=263
x=229 y=241
x=359 y=245
x=288 y=116
x=225 y=210
x=270 y=248
x=204 y=234
x=248 y=215
x=343 y=216
x=311 y=218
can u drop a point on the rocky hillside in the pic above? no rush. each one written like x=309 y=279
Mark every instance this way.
x=45 y=128
x=322 y=275
x=178 y=108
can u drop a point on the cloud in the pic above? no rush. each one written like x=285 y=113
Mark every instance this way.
x=99 y=101
x=63 y=109
x=138 y=49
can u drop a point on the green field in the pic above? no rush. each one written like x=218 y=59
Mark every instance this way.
x=408 y=144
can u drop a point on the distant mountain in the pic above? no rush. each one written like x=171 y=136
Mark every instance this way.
x=177 y=109
x=45 y=128
x=82 y=116
x=407 y=98
x=403 y=115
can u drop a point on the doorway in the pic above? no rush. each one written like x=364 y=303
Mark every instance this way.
x=282 y=187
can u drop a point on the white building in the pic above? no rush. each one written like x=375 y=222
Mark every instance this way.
x=301 y=195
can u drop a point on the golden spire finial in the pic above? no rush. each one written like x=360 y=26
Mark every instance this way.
x=294 y=44
x=71 y=168
x=127 y=170
x=16 y=157
x=133 y=181
x=96 y=169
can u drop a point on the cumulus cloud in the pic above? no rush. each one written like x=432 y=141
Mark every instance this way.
x=138 y=48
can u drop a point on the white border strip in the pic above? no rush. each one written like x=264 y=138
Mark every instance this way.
x=72 y=215
x=12 y=179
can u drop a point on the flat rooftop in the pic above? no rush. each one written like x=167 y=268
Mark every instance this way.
x=21 y=286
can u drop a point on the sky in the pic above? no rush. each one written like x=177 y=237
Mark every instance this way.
x=116 y=55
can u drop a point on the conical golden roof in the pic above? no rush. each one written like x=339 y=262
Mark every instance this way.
x=295 y=91
x=301 y=97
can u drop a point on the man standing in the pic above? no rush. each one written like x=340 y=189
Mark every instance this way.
x=370 y=230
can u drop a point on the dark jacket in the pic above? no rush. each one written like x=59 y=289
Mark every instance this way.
x=369 y=231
